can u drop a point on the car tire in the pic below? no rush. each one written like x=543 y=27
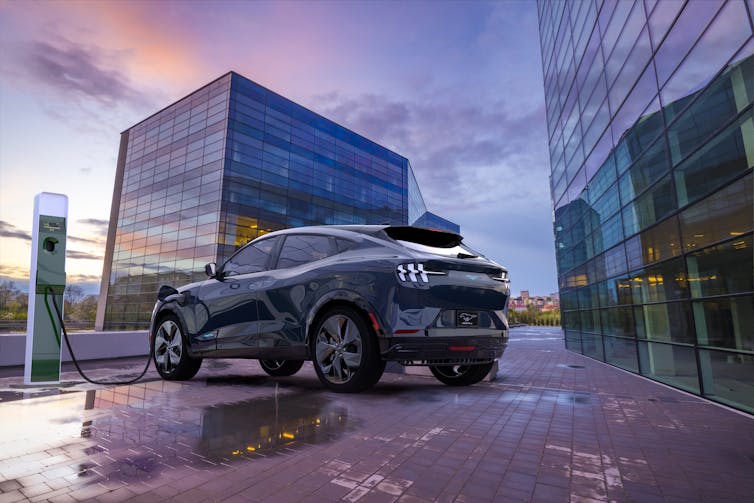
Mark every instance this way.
x=170 y=352
x=461 y=375
x=345 y=352
x=281 y=368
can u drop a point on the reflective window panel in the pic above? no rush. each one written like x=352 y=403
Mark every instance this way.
x=621 y=353
x=674 y=365
x=652 y=155
x=727 y=377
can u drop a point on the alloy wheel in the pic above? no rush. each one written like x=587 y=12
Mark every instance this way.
x=339 y=348
x=168 y=346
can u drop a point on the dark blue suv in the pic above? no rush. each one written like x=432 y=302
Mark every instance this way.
x=348 y=298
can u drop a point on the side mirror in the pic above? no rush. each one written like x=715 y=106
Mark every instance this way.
x=211 y=269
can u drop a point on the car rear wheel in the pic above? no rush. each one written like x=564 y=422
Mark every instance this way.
x=171 y=356
x=281 y=368
x=345 y=352
x=461 y=375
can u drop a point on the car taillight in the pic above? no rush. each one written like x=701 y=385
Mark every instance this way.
x=416 y=273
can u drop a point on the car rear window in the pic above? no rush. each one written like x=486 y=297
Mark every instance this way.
x=426 y=237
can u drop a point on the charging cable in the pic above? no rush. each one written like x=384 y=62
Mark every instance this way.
x=49 y=290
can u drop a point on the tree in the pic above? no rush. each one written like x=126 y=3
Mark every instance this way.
x=84 y=310
x=73 y=294
x=13 y=302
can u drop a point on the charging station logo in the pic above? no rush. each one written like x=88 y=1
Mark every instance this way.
x=50 y=226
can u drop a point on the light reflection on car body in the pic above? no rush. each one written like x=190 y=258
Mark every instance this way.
x=421 y=293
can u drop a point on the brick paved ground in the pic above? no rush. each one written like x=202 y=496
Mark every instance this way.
x=554 y=426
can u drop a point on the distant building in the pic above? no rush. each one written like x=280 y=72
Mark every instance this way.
x=516 y=304
x=651 y=138
x=227 y=163
x=539 y=303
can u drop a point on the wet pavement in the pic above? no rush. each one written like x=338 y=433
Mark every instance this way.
x=554 y=426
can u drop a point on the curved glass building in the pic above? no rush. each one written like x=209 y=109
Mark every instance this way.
x=651 y=136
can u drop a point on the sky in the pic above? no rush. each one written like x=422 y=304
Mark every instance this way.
x=456 y=87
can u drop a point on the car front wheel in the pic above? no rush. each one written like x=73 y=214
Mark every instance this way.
x=171 y=356
x=345 y=352
x=461 y=375
x=281 y=368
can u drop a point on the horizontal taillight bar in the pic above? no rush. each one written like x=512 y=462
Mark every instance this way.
x=415 y=273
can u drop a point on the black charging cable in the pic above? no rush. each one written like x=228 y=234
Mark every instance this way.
x=49 y=290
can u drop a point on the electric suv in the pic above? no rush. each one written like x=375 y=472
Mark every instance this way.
x=348 y=298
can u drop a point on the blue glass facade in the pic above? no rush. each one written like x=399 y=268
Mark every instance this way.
x=651 y=134
x=224 y=165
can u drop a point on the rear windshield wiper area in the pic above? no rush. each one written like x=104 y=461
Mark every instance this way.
x=426 y=237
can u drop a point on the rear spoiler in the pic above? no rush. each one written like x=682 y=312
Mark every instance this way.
x=424 y=236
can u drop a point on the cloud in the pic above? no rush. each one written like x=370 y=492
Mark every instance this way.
x=76 y=69
x=77 y=239
x=89 y=283
x=8 y=230
x=473 y=152
x=82 y=278
x=79 y=255
x=99 y=229
x=94 y=221
x=14 y=272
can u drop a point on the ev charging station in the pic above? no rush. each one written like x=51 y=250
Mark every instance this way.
x=46 y=278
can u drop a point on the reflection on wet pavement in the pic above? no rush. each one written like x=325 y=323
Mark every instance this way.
x=527 y=394
x=130 y=433
x=270 y=424
x=545 y=430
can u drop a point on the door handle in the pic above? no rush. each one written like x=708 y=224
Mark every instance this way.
x=235 y=285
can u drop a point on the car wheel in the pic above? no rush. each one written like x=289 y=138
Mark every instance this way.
x=171 y=356
x=461 y=375
x=281 y=367
x=345 y=352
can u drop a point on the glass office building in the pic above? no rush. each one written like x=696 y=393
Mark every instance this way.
x=226 y=164
x=651 y=137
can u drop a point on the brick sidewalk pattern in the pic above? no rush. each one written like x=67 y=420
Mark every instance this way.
x=553 y=427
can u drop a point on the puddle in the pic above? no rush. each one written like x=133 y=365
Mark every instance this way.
x=570 y=366
x=268 y=425
x=263 y=380
x=575 y=398
x=559 y=397
x=131 y=433
x=11 y=395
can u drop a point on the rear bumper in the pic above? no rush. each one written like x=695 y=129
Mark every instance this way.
x=446 y=350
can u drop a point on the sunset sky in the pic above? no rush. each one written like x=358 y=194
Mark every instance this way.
x=456 y=87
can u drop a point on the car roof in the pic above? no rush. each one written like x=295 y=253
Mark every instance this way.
x=327 y=229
